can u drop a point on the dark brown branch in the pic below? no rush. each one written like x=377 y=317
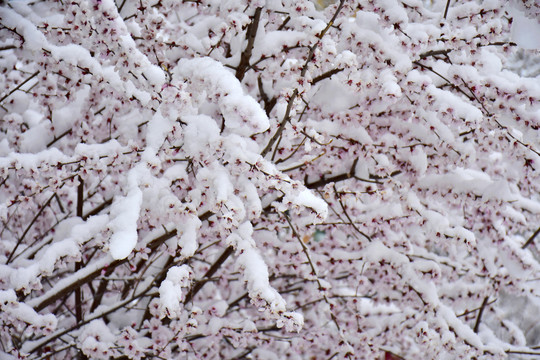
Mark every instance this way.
x=446 y=8
x=251 y=34
x=287 y=116
x=215 y=266
x=467 y=312
x=79 y=264
x=8 y=47
x=10 y=257
x=98 y=296
x=479 y=317
x=523 y=352
x=56 y=138
x=285 y=22
x=341 y=177
x=282 y=124
x=153 y=246
x=325 y=75
x=268 y=103
x=238 y=299
x=98 y=208
x=435 y=53
x=19 y=86
x=80 y=197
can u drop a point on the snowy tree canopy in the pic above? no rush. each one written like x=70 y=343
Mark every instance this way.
x=272 y=179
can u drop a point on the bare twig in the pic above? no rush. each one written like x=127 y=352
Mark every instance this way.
x=20 y=85
x=287 y=116
x=446 y=8
x=435 y=53
x=480 y=312
x=325 y=75
x=7 y=47
x=246 y=54
x=83 y=279
x=313 y=269
x=348 y=217
x=60 y=333
x=268 y=103
x=278 y=161
x=10 y=257
x=56 y=138
x=531 y=239
x=215 y=266
x=79 y=264
x=98 y=209
x=341 y=177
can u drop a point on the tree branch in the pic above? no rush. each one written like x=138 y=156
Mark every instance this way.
x=215 y=266
x=81 y=280
x=325 y=75
x=446 y=8
x=480 y=312
x=251 y=34
x=531 y=239
x=19 y=86
x=287 y=116
x=10 y=257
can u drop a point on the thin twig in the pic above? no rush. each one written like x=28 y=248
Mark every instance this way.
x=79 y=264
x=446 y=8
x=10 y=257
x=251 y=34
x=81 y=280
x=19 y=86
x=56 y=138
x=479 y=316
x=313 y=270
x=325 y=75
x=287 y=116
x=531 y=239
x=215 y=266
x=348 y=217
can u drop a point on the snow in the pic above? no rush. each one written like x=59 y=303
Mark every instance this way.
x=200 y=135
x=419 y=160
x=256 y=275
x=390 y=86
x=376 y=251
x=72 y=54
x=22 y=312
x=158 y=128
x=273 y=41
x=243 y=115
x=70 y=280
x=70 y=235
x=188 y=240
x=124 y=215
x=460 y=180
x=334 y=96
x=308 y=199
x=170 y=290
x=242 y=238
x=97 y=339
x=32 y=161
x=201 y=132
x=33 y=139
x=525 y=31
